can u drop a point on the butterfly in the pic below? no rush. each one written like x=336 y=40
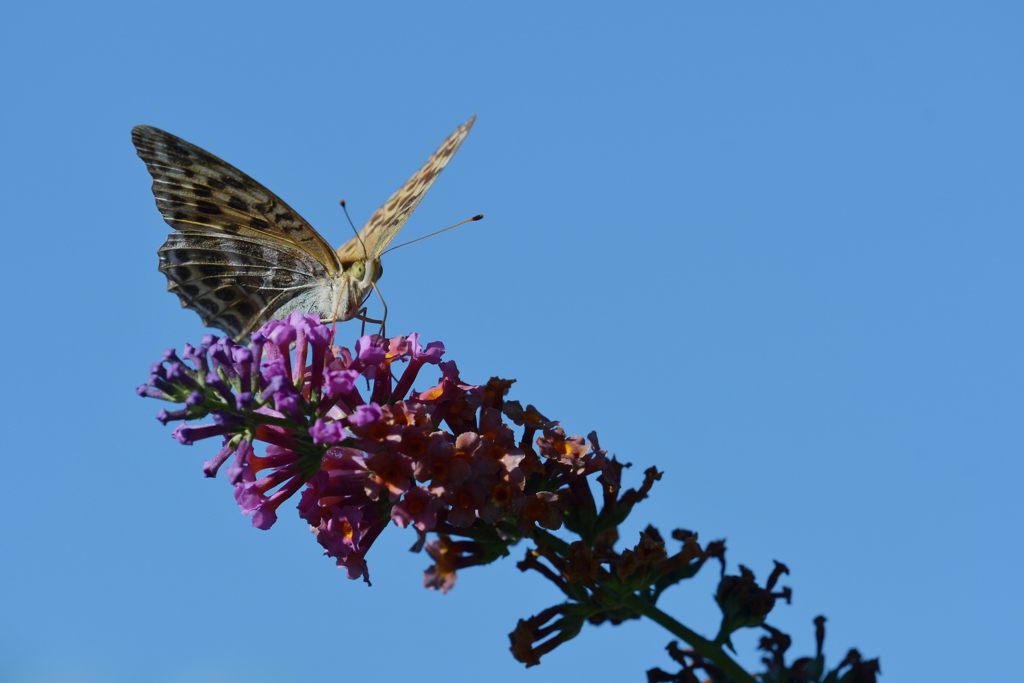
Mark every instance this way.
x=239 y=256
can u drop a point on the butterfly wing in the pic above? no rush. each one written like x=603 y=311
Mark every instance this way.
x=384 y=224
x=237 y=284
x=239 y=253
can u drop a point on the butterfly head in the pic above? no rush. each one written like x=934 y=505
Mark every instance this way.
x=353 y=284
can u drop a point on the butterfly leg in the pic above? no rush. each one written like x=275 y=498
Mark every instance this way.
x=383 y=318
x=361 y=315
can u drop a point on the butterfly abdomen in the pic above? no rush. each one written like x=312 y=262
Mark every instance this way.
x=319 y=300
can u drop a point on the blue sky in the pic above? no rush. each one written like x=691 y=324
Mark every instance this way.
x=772 y=248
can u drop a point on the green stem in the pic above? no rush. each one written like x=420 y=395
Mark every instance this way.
x=702 y=645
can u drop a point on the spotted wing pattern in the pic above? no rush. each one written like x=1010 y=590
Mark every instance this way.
x=238 y=253
x=384 y=224
x=234 y=283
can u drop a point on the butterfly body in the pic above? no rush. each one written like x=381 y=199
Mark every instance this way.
x=240 y=256
x=339 y=298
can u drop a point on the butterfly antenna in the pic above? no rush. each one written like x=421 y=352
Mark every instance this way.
x=477 y=217
x=344 y=207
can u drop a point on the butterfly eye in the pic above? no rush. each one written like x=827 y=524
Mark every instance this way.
x=357 y=270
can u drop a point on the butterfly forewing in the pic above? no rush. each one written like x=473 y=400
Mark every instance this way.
x=384 y=224
x=240 y=252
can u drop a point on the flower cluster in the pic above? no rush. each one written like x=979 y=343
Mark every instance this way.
x=346 y=434
x=346 y=431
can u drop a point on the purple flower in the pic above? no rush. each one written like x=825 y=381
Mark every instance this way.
x=340 y=383
x=365 y=415
x=280 y=334
x=343 y=518
x=188 y=435
x=368 y=352
x=431 y=353
x=212 y=466
x=327 y=432
x=150 y=391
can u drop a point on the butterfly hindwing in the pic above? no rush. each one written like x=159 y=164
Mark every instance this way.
x=384 y=224
x=234 y=283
